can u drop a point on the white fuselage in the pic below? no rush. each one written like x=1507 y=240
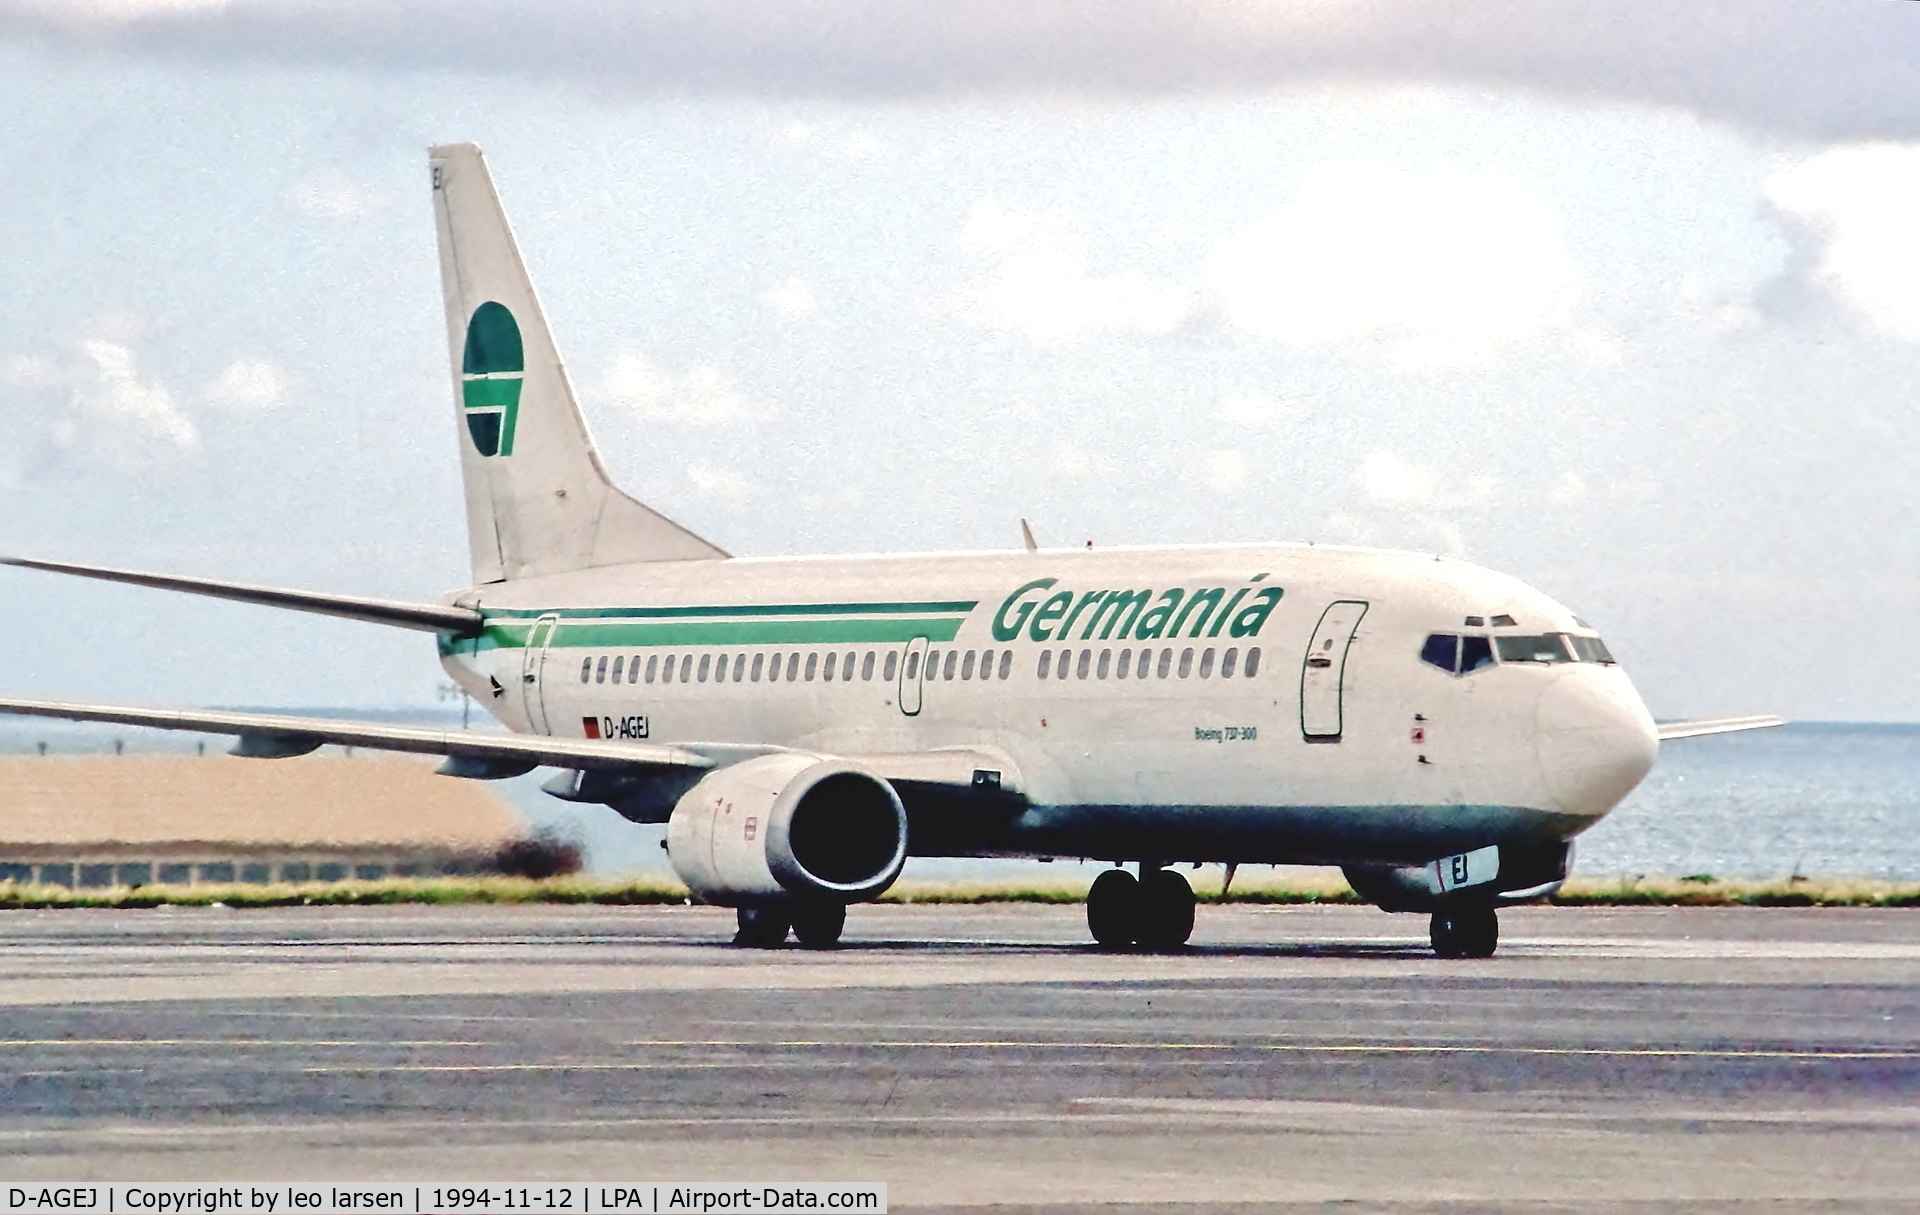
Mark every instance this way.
x=1341 y=745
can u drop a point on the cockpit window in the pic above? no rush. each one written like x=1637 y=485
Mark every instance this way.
x=1475 y=652
x=1590 y=649
x=1543 y=647
x=1457 y=654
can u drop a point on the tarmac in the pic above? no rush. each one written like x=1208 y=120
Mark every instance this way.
x=1291 y=1059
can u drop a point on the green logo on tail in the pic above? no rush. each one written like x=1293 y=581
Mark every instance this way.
x=490 y=378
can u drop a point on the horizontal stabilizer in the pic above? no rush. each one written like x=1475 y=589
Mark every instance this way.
x=1716 y=725
x=272 y=736
x=428 y=617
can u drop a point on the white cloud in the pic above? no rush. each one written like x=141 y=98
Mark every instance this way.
x=1444 y=269
x=334 y=196
x=1078 y=464
x=248 y=384
x=1385 y=477
x=100 y=15
x=1863 y=200
x=1251 y=411
x=108 y=410
x=793 y=300
x=702 y=396
x=851 y=145
x=30 y=371
x=1569 y=488
x=730 y=488
x=1225 y=470
x=1041 y=285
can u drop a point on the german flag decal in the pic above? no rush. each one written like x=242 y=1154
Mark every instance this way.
x=591 y=725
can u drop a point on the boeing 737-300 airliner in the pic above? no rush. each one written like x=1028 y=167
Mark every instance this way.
x=803 y=725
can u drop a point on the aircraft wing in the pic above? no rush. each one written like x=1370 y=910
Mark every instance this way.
x=1716 y=725
x=483 y=755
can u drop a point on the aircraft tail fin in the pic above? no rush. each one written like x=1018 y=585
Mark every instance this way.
x=539 y=500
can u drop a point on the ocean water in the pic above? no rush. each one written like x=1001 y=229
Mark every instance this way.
x=1815 y=798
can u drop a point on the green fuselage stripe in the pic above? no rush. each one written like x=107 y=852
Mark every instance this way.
x=753 y=610
x=630 y=634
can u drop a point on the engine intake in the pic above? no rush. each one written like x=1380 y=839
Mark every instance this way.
x=788 y=825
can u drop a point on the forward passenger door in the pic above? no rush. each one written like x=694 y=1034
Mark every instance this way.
x=1323 y=671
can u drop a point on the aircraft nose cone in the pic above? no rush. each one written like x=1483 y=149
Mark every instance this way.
x=1596 y=740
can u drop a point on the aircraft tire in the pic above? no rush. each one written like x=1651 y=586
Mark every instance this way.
x=818 y=925
x=1113 y=909
x=1468 y=931
x=1166 y=910
x=762 y=927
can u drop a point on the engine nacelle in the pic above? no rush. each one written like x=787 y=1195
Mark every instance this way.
x=784 y=826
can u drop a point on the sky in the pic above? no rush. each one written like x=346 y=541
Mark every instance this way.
x=1620 y=297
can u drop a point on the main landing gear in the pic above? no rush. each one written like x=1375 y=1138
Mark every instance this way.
x=815 y=924
x=1468 y=930
x=1154 y=911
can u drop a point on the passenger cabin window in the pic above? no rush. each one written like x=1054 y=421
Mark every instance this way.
x=653 y=666
x=706 y=661
x=1227 y=661
x=1206 y=664
x=1046 y=664
x=633 y=669
x=866 y=667
x=1006 y=664
x=813 y=666
x=759 y=665
x=1253 y=662
x=619 y=664
x=586 y=668
x=893 y=665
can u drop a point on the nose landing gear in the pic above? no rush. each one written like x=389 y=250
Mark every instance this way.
x=1154 y=911
x=1466 y=930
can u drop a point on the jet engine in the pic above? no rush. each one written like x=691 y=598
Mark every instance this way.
x=788 y=826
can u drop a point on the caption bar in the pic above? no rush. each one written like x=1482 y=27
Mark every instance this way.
x=544 y=1198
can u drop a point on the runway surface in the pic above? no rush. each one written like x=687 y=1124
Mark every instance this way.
x=1641 y=1060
